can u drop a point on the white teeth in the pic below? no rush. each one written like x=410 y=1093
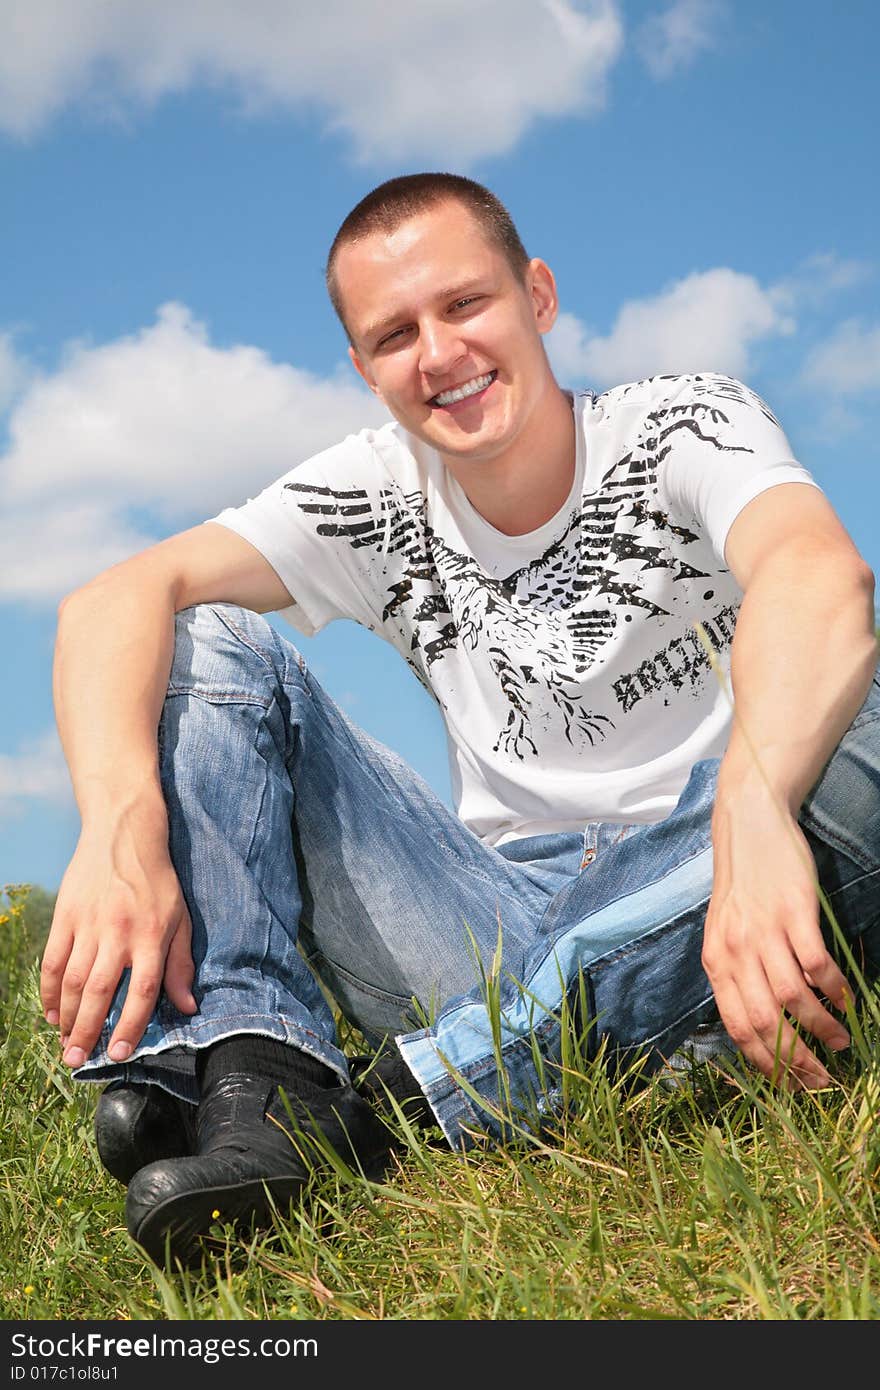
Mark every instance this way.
x=470 y=388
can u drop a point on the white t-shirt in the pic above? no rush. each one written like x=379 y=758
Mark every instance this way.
x=573 y=684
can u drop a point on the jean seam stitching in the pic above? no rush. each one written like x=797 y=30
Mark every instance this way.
x=854 y=883
x=220 y=696
x=373 y=990
x=246 y=640
x=830 y=836
x=868 y=716
x=625 y=950
x=613 y=902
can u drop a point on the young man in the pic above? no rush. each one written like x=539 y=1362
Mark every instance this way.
x=556 y=568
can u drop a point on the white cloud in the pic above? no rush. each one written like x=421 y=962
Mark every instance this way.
x=167 y=420
x=671 y=41
x=707 y=321
x=14 y=371
x=161 y=422
x=447 y=79
x=50 y=548
x=140 y=437
x=819 y=276
x=37 y=772
x=847 y=363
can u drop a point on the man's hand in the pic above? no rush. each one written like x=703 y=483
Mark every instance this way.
x=119 y=905
x=802 y=662
x=763 y=948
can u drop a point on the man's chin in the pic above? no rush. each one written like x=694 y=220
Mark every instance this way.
x=457 y=443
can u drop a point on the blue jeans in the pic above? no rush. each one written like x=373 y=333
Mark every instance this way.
x=315 y=862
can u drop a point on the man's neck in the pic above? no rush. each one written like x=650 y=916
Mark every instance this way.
x=528 y=484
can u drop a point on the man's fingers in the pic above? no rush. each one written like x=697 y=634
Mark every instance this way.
x=757 y=1025
x=84 y=976
x=52 y=971
x=94 y=1004
x=793 y=1064
x=785 y=1059
x=791 y=972
x=140 y=1001
x=801 y=1004
x=822 y=971
x=179 y=968
x=76 y=974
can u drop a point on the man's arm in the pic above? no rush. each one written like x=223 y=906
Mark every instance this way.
x=120 y=903
x=802 y=661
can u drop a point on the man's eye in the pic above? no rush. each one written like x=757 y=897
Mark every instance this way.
x=391 y=337
x=463 y=303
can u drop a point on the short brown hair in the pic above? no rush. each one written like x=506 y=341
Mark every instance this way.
x=393 y=202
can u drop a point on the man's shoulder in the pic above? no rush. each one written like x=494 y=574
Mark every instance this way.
x=675 y=391
x=360 y=452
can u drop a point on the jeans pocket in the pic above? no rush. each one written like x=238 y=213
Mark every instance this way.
x=374 y=1010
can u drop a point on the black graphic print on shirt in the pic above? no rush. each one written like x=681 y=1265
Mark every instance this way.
x=540 y=628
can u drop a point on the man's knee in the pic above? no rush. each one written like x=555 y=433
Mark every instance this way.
x=227 y=651
x=843 y=808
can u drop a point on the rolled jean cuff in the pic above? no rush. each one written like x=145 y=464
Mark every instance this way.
x=171 y=1062
x=455 y=1096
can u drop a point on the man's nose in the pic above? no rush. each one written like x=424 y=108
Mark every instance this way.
x=440 y=347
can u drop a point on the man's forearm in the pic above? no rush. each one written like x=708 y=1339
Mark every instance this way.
x=113 y=654
x=802 y=661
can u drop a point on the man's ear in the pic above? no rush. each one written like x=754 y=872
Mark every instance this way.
x=363 y=371
x=542 y=290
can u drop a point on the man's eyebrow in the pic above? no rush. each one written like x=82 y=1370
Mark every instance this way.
x=375 y=330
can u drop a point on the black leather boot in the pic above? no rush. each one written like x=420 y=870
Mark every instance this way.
x=386 y=1075
x=136 y=1125
x=252 y=1157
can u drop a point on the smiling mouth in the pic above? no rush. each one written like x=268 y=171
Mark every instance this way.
x=461 y=393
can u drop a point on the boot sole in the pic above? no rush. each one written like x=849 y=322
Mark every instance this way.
x=184 y=1220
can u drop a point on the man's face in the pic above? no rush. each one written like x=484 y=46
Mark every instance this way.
x=446 y=334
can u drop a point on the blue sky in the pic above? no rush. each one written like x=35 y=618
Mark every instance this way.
x=700 y=175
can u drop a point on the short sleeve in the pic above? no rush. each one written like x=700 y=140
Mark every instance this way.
x=316 y=525
x=718 y=445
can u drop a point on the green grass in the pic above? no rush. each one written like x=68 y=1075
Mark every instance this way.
x=717 y=1200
